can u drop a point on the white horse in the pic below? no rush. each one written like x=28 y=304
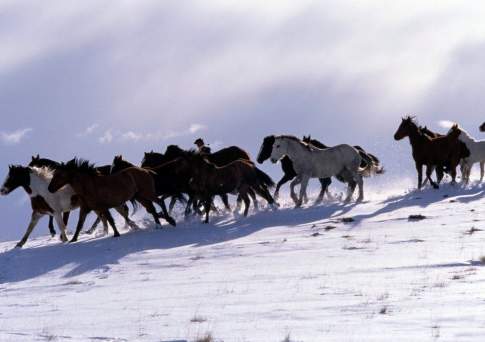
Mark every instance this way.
x=311 y=162
x=477 y=155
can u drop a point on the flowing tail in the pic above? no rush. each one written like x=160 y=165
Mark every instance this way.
x=370 y=164
x=264 y=178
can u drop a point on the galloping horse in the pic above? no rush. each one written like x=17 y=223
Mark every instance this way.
x=477 y=155
x=103 y=170
x=35 y=182
x=311 y=162
x=432 y=152
x=100 y=193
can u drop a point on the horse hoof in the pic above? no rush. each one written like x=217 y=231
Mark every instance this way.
x=116 y=235
x=171 y=221
x=19 y=245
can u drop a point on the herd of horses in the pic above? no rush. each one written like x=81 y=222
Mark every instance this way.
x=195 y=177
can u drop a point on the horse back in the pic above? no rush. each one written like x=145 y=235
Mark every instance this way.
x=228 y=155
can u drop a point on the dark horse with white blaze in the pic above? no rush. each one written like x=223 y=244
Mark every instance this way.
x=100 y=193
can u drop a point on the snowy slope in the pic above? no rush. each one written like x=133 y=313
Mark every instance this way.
x=302 y=273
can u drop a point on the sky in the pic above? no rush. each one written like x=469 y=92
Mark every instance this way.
x=99 y=78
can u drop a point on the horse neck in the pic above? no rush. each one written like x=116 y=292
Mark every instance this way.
x=416 y=139
x=38 y=183
x=465 y=137
x=295 y=150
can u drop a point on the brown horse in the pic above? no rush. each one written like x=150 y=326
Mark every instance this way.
x=432 y=152
x=239 y=177
x=100 y=193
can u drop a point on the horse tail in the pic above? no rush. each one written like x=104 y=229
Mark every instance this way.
x=264 y=178
x=370 y=165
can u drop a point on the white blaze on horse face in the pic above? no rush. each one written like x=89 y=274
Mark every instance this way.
x=278 y=150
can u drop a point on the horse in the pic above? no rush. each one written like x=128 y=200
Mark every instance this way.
x=171 y=178
x=311 y=162
x=219 y=158
x=477 y=155
x=370 y=162
x=432 y=152
x=100 y=193
x=35 y=182
x=104 y=170
x=236 y=177
x=287 y=167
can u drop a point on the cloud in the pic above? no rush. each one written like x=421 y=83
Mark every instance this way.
x=194 y=128
x=445 y=123
x=106 y=138
x=88 y=131
x=133 y=136
x=15 y=137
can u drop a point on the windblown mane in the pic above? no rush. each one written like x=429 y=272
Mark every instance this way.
x=79 y=165
x=294 y=138
x=43 y=172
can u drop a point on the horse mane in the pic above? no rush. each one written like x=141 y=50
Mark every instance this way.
x=296 y=139
x=43 y=172
x=80 y=165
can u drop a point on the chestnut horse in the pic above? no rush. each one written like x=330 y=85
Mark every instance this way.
x=432 y=152
x=100 y=193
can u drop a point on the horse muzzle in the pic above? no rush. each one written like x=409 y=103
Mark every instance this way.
x=4 y=191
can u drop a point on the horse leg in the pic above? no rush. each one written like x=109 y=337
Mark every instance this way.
x=103 y=220
x=148 y=205
x=252 y=194
x=303 y=186
x=453 y=174
x=33 y=222
x=439 y=173
x=123 y=211
x=360 y=182
x=247 y=202
x=83 y=212
x=93 y=227
x=65 y=217
x=482 y=170
x=207 y=208
x=350 y=190
x=293 y=183
x=263 y=192
x=173 y=200
x=225 y=200
x=325 y=182
x=61 y=225
x=108 y=216
x=51 y=226
x=283 y=180
x=419 y=168
x=166 y=216
x=429 y=170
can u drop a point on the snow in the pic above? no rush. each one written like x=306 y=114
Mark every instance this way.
x=300 y=273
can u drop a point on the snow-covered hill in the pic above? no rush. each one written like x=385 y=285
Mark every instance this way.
x=306 y=275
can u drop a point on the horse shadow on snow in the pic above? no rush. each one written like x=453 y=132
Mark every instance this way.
x=97 y=254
